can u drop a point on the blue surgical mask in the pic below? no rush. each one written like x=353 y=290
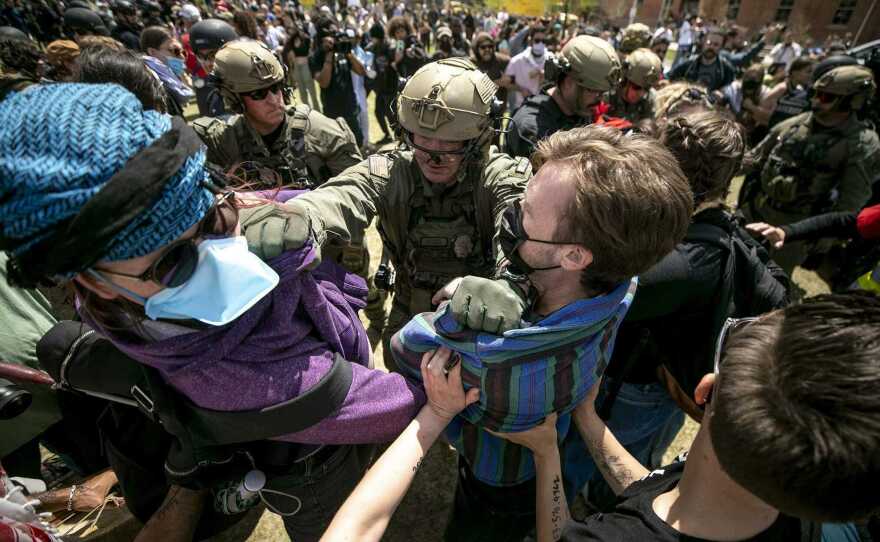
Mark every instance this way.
x=228 y=281
x=177 y=65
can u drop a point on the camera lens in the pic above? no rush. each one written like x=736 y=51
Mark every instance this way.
x=13 y=400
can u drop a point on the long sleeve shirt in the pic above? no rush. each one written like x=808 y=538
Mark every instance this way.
x=547 y=366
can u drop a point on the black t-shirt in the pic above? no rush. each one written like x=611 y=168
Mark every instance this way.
x=338 y=99
x=633 y=519
x=538 y=117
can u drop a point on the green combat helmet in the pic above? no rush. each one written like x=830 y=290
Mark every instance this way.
x=244 y=66
x=643 y=68
x=854 y=81
x=635 y=36
x=591 y=61
x=451 y=100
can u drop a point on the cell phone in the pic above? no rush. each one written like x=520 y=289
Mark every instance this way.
x=400 y=45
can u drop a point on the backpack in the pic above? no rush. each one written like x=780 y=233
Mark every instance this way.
x=752 y=282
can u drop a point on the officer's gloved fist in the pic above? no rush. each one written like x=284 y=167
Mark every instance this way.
x=494 y=306
x=271 y=229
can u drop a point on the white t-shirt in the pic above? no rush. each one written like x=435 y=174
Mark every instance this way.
x=527 y=71
x=785 y=54
x=685 y=34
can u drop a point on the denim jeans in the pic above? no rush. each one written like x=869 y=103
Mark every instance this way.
x=640 y=413
x=316 y=490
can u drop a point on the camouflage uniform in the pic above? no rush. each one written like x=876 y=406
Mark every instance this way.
x=433 y=233
x=804 y=168
x=635 y=113
x=310 y=149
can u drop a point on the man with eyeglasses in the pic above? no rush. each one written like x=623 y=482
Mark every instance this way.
x=634 y=99
x=820 y=161
x=785 y=451
x=268 y=144
x=581 y=74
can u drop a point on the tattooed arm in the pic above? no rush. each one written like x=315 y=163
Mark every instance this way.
x=550 y=505
x=617 y=466
x=365 y=514
x=176 y=519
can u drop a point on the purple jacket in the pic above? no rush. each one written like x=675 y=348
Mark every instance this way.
x=281 y=348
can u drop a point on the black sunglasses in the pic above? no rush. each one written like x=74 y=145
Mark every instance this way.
x=260 y=94
x=730 y=325
x=178 y=261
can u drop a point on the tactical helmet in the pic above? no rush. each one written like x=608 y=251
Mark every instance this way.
x=244 y=66
x=635 y=36
x=211 y=34
x=855 y=81
x=643 y=68
x=83 y=20
x=450 y=99
x=189 y=13
x=591 y=61
x=12 y=33
x=834 y=61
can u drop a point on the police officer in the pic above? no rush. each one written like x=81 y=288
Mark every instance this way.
x=634 y=99
x=820 y=161
x=586 y=69
x=267 y=144
x=128 y=27
x=438 y=201
x=206 y=38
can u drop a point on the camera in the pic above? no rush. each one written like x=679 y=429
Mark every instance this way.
x=13 y=399
x=342 y=44
x=385 y=277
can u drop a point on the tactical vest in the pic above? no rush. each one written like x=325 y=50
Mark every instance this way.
x=631 y=112
x=791 y=104
x=441 y=241
x=286 y=158
x=804 y=168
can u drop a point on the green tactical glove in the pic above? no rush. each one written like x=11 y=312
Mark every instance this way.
x=271 y=230
x=494 y=306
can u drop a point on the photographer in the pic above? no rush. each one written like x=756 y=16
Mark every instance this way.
x=409 y=55
x=332 y=64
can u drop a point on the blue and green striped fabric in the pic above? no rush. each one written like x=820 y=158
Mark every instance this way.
x=525 y=374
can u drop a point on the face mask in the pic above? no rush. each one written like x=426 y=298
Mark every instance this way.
x=512 y=236
x=228 y=280
x=177 y=65
x=538 y=49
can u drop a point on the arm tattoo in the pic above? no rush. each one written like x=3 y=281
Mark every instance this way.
x=611 y=466
x=556 y=515
x=418 y=464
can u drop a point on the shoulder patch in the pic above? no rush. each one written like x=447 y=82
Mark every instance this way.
x=380 y=166
x=299 y=117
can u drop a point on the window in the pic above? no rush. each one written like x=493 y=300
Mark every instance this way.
x=844 y=12
x=783 y=12
x=733 y=9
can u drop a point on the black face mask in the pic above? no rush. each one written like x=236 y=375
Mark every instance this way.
x=512 y=235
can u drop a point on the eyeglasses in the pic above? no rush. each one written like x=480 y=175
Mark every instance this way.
x=175 y=50
x=178 y=261
x=825 y=97
x=486 y=47
x=730 y=325
x=537 y=40
x=260 y=94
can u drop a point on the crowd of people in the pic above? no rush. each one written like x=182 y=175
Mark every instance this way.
x=185 y=194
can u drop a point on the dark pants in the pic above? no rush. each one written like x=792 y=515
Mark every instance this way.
x=317 y=490
x=383 y=111
x=484 y=513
